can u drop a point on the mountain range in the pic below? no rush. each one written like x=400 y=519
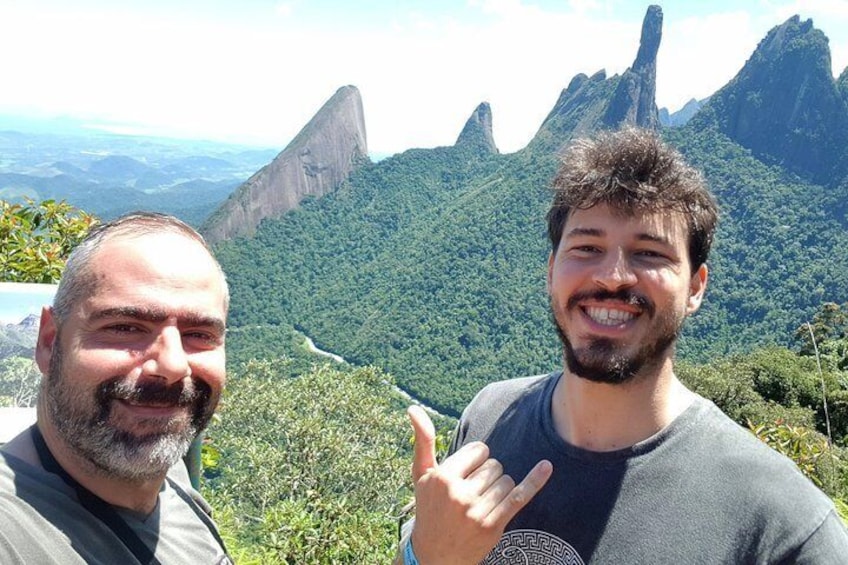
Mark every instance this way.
x=431 y=263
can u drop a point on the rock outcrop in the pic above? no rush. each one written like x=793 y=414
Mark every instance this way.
x=590 y=103
x=477 y=132
x=634 y=101
x=682 y=116
x=785 y=106
x=319 y=158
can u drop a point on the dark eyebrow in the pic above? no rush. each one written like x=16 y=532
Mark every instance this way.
x=595 y=232
x=592 y=232
x=159 y=316
x=653 y=238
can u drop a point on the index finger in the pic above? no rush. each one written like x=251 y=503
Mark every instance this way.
x=468 y=458
x=523 y=493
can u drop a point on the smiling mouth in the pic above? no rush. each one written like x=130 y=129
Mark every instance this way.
x=608 y=316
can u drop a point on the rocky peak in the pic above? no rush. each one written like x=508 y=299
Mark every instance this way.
x=634 y=101
x=785 y=106
x=316 y=162
x=590 y=103
x=683 y=115
x=477 y=132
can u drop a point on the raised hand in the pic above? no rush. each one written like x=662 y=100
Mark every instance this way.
x=463 y=505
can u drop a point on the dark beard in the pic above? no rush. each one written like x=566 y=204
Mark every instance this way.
x=602 y=361
x=82 y=419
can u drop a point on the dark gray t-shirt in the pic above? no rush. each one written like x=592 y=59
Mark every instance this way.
x=41 y=521
x=702 y=490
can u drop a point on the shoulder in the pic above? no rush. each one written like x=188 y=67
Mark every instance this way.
x=495 y=397
x=764 y=486
x=180 y=483
x=28 y=512
x=513 y=400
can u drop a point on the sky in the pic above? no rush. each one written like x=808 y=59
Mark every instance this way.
x=255 y=71
x=17 y=301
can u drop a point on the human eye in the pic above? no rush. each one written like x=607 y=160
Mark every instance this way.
x=584 y=250
x=203 y=338
x=122 y=328
x=652 y=255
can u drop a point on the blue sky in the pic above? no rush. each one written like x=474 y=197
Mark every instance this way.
x=17 y=301
x=255 y=71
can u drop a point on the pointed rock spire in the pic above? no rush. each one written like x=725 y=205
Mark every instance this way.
x=596 y=102
x=478 y=130
x=318 y=159
x=634 y=101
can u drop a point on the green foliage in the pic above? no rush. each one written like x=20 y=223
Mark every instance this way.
x=827 y=335
x=313 y=468
x=434 y=268
x=776 y=393
x=842 y=508
x=36 y=239
x=808 y=449
x=19 y=382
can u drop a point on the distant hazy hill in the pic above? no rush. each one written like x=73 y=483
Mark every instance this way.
x=431 y=263
x=110 y=174
x=18 y=340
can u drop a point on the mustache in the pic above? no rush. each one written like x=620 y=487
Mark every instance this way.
x=180 y=393
x=624 y=296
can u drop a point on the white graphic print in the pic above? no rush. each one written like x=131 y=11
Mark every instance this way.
x=532 y=547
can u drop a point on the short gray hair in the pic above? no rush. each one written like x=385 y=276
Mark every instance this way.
x=78 y=281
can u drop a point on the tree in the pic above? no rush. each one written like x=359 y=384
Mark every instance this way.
x=311 y=469
x=19 y=381
x=36 y=239
x=829 y=323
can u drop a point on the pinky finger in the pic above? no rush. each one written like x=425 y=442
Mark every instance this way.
x=522 y=493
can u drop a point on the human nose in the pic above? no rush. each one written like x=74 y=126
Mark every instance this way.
x=615 y=272
x=166 y=357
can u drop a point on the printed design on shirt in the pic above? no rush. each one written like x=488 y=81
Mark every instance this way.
x=532 y=547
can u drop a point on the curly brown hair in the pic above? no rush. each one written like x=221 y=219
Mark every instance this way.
x=632 y=170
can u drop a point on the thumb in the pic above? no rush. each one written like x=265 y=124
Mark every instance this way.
x=425 y=442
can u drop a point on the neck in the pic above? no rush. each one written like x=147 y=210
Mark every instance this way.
x=137 y=495
x=607 y=417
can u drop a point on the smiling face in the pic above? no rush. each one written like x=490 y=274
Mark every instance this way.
x=620 y=288
x=135 y=370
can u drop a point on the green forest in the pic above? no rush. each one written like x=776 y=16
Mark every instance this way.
x=431 y=264
x=308 y=461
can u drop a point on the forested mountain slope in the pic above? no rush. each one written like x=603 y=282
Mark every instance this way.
x=432 y=263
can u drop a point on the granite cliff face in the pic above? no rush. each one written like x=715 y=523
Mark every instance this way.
x=598 y=102
x=477 y=132
x=785 y=106
x=319 y=158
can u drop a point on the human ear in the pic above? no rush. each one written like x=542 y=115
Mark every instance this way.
x=697 y=287
x=47 y=335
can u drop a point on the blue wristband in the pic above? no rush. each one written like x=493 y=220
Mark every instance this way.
x=409 y=555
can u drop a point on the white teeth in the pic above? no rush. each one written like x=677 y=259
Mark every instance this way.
x=607 y=316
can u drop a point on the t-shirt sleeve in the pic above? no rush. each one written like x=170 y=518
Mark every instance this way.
x=828 y=545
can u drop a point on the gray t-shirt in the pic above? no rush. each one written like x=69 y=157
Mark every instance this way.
x=702 y=490
x=42 y=521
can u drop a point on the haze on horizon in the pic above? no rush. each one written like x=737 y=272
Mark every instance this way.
x=254 y=72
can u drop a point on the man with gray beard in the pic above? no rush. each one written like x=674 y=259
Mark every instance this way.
x=132 y=353
x=621 y=463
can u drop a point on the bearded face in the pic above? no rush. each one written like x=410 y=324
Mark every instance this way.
x=140 y=449
x=621 y=287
